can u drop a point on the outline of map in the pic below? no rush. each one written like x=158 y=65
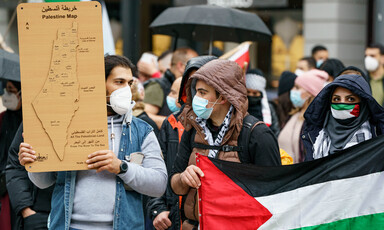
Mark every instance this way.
x=60 y=90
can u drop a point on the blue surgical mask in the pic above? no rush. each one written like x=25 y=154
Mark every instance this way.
x=296 y=99
x=319 y=63
x=171 y=102
x=199 y=107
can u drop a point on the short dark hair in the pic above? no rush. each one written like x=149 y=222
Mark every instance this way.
x=16 y=84
x=318 y=48
x=332 y=66
x=311 y=62
x=377 y=46
x=112 y=61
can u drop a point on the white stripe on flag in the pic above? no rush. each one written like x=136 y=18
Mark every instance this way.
x=326 y=202
x=242 y=50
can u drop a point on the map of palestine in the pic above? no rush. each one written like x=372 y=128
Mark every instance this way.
x=56 y=103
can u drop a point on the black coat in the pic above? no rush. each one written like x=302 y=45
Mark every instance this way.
x=169 y=143
x=23 y=193
x=318 y=109
x=144 y=116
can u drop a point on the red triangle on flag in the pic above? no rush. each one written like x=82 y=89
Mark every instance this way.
x=356 y=110
x=225 y=205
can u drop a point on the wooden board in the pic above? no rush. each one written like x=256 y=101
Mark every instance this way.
x=63 y=83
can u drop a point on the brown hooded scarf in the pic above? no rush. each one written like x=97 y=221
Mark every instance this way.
x=226 y=77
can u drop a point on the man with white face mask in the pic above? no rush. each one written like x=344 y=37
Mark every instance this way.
x=109 y=197
x=374 y=61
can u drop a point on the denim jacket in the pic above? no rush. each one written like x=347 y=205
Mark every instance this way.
x=128 y=213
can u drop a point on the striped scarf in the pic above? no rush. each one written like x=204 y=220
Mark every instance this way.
x=220 y=136
x=323 y=141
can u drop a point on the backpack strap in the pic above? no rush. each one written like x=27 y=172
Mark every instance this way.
x=249 y=123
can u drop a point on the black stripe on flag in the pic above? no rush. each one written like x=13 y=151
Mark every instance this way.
x=359 y=160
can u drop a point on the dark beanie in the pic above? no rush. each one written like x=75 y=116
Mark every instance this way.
x=286 y=82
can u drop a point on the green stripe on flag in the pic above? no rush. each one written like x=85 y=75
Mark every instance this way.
x=374 y=221
x=343 y=106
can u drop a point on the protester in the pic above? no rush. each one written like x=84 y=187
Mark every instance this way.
x=110 y=196
x=320 y=54
x=147 y=67
x=154 y=69
x=374 y=61
x=172 y=102
x=165 y=211
x=9 y=123
x=215 y=130
x=283 y=102
x=31 y=204
x=307 y=86
x=342 y=115
x=305 y=64
x=332 y=66
x=138 y=110
x=258 y=104
x=156 y=90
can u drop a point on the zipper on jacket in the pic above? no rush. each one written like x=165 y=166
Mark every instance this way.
x=311 y=141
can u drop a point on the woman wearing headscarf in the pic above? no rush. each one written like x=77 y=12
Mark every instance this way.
x=307 y=86
x=342 y=115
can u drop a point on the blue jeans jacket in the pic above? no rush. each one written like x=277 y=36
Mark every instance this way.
x=128 y=213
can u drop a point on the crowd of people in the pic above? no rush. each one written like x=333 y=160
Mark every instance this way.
x=160 y=114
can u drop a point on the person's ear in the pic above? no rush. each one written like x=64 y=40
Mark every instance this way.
x=382 y=59
x=180 y=67
x=222 y=101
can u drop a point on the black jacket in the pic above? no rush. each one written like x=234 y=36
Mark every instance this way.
x=169 y=142
x=144 y=116
x=23 y=193
x=275 y=126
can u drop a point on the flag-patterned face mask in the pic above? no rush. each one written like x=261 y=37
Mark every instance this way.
x=342 y=111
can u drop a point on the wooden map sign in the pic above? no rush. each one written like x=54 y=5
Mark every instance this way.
x=63 y=83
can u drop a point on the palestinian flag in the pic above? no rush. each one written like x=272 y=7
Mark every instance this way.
x=341 y=191
x=344 y=111
x=239 y=54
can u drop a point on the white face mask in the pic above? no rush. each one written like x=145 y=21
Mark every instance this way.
x=10 y=100
x=371 y=64
x=299 y=72
x=121 y=100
